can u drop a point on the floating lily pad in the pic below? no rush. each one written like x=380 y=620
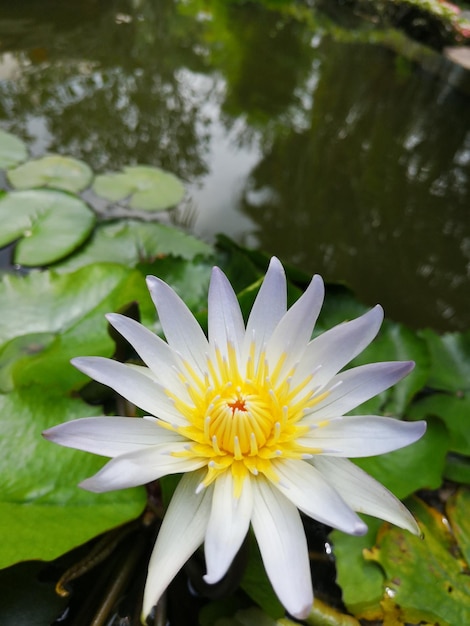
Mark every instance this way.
x=48 y=318
x=450 y=360
x=145 y=188
x=454 y=411
x=426 y=580
x=12 y=150
x=361 y=581
x=42 y=511
x=55 y=171
x=395 y=577
x=48 y=224
x=132 y=242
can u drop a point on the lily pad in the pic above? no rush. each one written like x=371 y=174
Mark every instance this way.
x=54 y=171
x=48 y=224
x=42 y=511
x=12 y=150
x=48 y=318
x=450 y=355
x=361 y=581
x=454 y=411
x=147 y=188
x=132 y=242
x=426 y=578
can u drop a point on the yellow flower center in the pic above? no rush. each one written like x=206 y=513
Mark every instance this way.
x=244 y=420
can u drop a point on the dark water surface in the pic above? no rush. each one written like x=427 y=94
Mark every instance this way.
x=293 y=134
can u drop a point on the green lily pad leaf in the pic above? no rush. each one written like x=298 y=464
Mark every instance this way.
x=457 y=468
x=148 y=188
x=42 y=511
x=54 y=171
x=457 y=509
x=450 y=355
x=12 y=150
x=361 y=581
x=425 y=580
x=132 y=242
x=419 y=466
x=48 y=318
x=49 y=224
x=454 y=411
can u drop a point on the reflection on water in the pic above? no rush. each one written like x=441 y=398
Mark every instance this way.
x=342 y=158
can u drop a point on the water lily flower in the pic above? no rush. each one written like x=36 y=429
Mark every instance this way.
x=255 y=419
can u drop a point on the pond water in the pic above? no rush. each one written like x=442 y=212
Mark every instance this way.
x=293 y=134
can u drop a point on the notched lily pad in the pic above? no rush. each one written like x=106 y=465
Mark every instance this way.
x=144 y=187
x=49 y=225
x=132 y=242
x=54 y=171
x=12 y=150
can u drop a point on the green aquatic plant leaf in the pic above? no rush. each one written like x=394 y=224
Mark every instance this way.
x=12 y=150
x=450 y=357
x=130 y=242
x=425 y=577
x=392 y=576
x=146 y=188
x=54 y=171
x=49 y=318
x=361 y=581
x=454 y=411
x=48 y=224
x=42 y=511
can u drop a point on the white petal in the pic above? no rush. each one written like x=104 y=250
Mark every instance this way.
x=268 y=309
x=225 y=321
x=110 y=436
x=228 y=525
x=363 y=493
x=154 y=352
x=328 y=353
x=365 y=435
x=351 y=388
x=281 y=539
x=130 y=383
x=293 y=333
x=313 y=495
x=181 y=328
x=181 y=533
x=140 y=467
